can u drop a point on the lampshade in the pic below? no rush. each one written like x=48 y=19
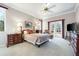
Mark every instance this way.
x=19 y=27
x=25 y=32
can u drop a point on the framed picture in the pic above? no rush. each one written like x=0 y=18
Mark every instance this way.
x=28 y=24
x=1 y=25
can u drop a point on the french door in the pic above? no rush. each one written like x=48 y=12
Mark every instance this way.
x=56 y=28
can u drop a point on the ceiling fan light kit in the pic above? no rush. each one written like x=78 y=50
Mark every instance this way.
x=46 y=9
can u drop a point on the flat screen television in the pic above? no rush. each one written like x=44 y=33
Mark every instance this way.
x=71 y=27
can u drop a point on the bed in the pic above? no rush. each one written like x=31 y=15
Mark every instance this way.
x=36 y=38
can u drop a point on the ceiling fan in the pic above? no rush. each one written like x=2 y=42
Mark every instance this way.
x=47 y=8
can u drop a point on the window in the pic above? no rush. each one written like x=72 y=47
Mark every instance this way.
x=57 y=28
x=2 y=18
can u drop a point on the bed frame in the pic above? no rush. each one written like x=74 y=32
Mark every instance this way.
x=41 y=44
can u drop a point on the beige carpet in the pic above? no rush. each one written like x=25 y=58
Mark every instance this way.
x=55 y=47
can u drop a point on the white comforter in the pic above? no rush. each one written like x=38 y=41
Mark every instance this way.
x=36 y=38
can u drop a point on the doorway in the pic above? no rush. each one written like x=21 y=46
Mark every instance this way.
x=56 y=28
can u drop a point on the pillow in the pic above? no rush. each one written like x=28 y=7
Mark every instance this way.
x=37 y=31
x=28 y=31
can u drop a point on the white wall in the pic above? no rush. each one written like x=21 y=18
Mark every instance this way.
x=13 y=17
x=77 y=16
x=77 y=13
x=69 y=18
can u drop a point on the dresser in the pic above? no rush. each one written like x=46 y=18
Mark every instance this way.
x=13 y=39
x=75 y=44
x=73 y=41
x=77 y=53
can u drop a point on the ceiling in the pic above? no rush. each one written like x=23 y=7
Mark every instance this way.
x=36 y=9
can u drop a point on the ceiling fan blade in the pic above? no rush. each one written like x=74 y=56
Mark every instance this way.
x=50 y=11
x=52 y=6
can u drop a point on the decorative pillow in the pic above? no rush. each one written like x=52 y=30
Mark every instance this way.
x=37 y=31
x=28 y=31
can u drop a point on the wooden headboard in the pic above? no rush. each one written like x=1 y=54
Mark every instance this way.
x=28 y=31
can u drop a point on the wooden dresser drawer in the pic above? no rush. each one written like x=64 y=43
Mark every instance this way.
x=13 y=39
x=77 y=53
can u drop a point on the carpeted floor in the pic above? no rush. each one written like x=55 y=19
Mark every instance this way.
x=55 y=47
